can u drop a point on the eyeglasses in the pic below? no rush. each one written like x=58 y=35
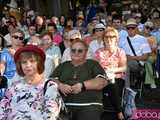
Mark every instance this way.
x=71 y=40
x=99 y=30
x=147 y=27
x=17 y=37
x=77 y=50
x=110 y=36
x=133 y=28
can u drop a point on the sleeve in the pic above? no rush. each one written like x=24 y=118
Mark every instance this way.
x=3 y=57
x=97 y=70
x=57 y=72
x=52 y=102
x=146 y=47
x=5 y=105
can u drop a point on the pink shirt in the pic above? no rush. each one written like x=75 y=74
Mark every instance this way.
x=57 y=39
x=109 y=60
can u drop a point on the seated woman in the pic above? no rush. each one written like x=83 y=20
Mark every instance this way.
x=113 y=60
x=81 y=82
x=25 y=98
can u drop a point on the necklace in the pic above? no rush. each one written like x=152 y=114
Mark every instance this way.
x=75 y=75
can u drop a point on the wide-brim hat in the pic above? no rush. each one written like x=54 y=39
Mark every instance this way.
x=30 y=48
x=131 y=22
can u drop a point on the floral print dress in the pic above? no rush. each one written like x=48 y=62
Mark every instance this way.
x=23 y=101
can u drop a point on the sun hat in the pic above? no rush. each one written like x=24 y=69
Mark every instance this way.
x=29 y=48
x=99 y=26
x=74 y=34
x=131 y=22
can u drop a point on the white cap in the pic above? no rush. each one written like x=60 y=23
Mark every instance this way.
x=99 y=26
x=149 y=24
x=73 y=34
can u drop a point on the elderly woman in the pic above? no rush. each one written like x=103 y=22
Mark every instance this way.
x=81 y=82
x=25 y=99
x=113 y=60
x=52 y=51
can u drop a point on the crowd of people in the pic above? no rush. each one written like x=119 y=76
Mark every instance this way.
x=89 y=62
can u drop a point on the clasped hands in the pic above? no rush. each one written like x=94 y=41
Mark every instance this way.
x=70 y=89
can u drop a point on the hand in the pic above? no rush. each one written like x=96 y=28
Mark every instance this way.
x=77 y=88
x=65 y=89
x=120 y=116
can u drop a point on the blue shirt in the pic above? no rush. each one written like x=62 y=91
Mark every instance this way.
x=10 y=67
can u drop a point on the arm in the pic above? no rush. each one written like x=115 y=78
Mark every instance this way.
x=2 y=67
x=95 y=84
x=139 y=58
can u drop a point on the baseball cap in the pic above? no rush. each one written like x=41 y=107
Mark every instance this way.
x=99 y=26
x=73 y=34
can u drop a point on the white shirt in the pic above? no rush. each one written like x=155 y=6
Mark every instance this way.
x=94 y=46
x=122 y=37
x=140 y=45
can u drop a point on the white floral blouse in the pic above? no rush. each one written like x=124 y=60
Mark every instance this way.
x=23 y=101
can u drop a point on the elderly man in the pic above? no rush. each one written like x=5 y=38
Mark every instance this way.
x=138 y=55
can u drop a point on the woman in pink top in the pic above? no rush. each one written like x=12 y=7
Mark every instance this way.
x=113 y=60
x=111 y=57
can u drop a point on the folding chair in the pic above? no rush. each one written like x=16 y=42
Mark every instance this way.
x=137 y=82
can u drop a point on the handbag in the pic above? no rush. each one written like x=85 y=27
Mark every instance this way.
x=136 y=65
x=64 y=113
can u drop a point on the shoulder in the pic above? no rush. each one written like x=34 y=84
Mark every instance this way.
x=140 y=37
x=91 y=62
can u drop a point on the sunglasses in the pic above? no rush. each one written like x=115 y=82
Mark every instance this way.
x=99 y=30
x=128 y=28
x=77 y=50
x=17 y=37
x=71 y=40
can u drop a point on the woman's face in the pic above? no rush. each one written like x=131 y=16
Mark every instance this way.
x=17 y=40
x=78 y=52
x=29 y=66
x=99 y=32
x=46 y=41
x=110 y=39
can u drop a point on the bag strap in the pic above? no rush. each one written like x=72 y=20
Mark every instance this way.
x=45 y=85
x=130 y=44
x=63 y=107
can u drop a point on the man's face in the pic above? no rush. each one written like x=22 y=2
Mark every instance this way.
x=116 y=23
x=131 y=30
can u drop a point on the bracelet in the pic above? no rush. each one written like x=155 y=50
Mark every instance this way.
x=83 y=87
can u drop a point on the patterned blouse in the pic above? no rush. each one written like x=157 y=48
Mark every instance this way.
x=111 y=60
x=23 y=101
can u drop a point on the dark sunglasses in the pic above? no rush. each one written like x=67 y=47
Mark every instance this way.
x=128 y=28
x=99 y=30
x=77 y=50
x=17 y=37
x=71 y=40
